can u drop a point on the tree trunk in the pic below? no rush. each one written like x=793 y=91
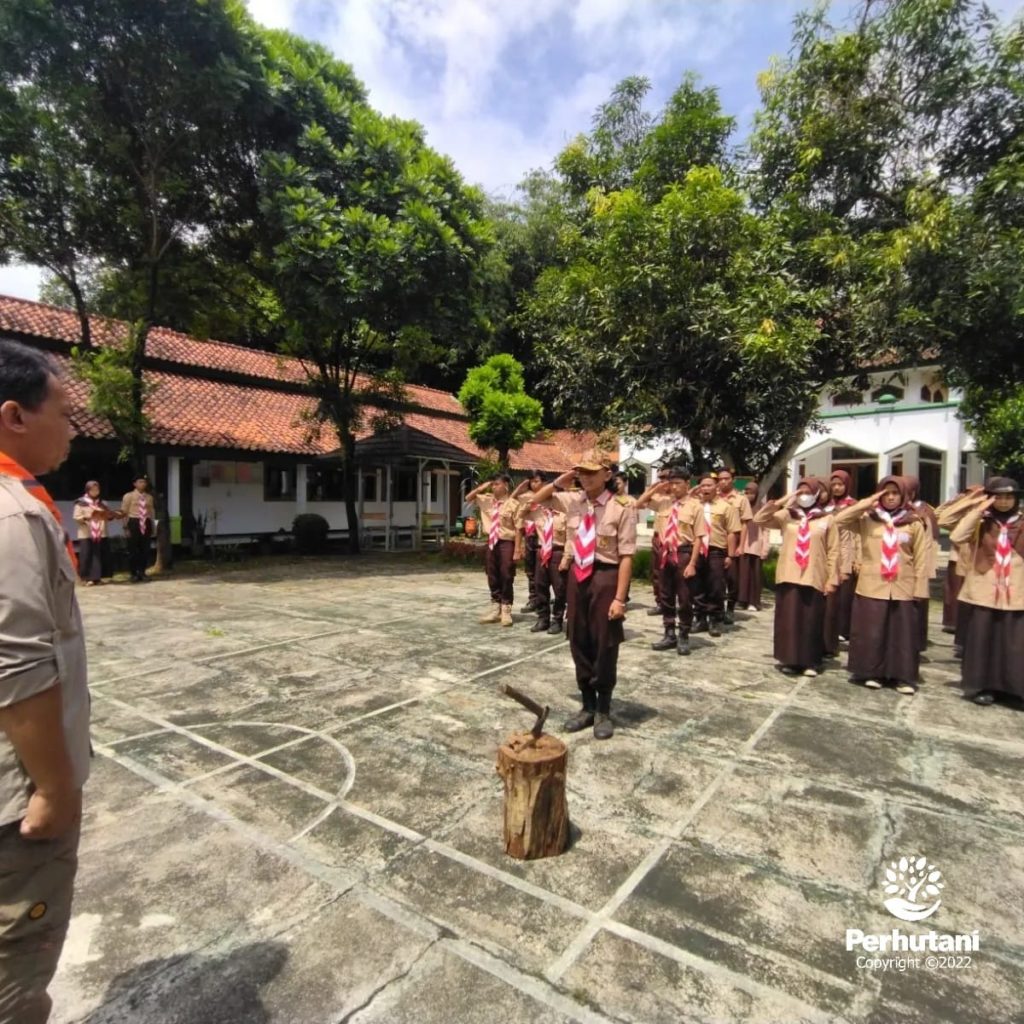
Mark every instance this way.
x=536 y=810
x=503 y=459
x=85 y=327
x=350 y=481
x=778 y=464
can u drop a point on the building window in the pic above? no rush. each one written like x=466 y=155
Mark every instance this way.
x=405 y=485
x=938 y=395
x=370 y=486
x=326 y=484
x=280 y=483
x=926 y=393
x=897 y=467
x=848 y=396
x=435 y=489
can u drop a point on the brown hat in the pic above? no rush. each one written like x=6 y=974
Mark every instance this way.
x=594 y=460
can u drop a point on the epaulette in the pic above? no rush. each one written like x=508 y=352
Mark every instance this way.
x=622 y=500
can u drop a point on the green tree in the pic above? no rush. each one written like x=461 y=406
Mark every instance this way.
x=502 y=415
x=370 y=245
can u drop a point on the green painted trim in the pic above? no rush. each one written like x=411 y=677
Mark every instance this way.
x=888 y=409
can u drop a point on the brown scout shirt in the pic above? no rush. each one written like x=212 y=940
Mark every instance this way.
x=741 y=503
x=614 y=521
x=823 y=565
x=755 y=539
x=913 y=553
x=486 y=503
x=691 y=517
x=948 y=514
x=978 y=559
x=83 y=517
x=130 y=502
x=725 y=519
x=41 y=639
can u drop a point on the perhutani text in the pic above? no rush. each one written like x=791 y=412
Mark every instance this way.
x=898 y=941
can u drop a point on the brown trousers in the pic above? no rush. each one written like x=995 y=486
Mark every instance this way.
x=36 y=885
x=732 y=584
x=593 y=638
x=677 y=592
x=532 y=558
x=750 y=581
x=138 y=546
x=710 y=599
x=655 y=562
x=501 y=571
x=550 y=581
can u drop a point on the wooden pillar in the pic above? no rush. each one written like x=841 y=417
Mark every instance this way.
x=447 y=499
x=389 y=510
x=536 y=809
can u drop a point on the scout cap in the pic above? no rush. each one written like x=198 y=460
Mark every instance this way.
x=593 y=460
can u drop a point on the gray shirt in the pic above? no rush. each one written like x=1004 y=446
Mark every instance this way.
x=41 y=639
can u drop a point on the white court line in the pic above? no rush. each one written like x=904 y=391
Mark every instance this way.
x=586 y=935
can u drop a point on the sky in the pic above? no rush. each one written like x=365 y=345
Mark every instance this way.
x=502 y=85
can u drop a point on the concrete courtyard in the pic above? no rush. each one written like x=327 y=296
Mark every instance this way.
x=294 y=817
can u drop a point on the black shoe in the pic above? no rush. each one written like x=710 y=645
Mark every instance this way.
x=715 y=629
x=700 y=626
x=556 y=628
x=683 y=644
x=530 y=606
x=541 y=626
x=603 y=728
x=656 y=610
x=666 y=643
x=581 y=720
x=984 y=697
x=729 y=619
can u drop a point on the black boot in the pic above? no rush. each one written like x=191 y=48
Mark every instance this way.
x=683 y=645
x=603 y=728
x=715 y=629
x=585 y=716
x=530 y=606
x=729 y=619
x=700 y=626
x=541 y=625
x=555 y=628
x=667 y=642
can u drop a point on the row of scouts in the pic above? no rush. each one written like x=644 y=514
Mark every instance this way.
x=93 y=517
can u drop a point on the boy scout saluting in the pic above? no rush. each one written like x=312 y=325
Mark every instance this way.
x=727 y=492
x=498 y=511
x=552 y=567
x=603 y=528
x=718 y=550
x=659 y=525
x=684 y=529
x=527 y=523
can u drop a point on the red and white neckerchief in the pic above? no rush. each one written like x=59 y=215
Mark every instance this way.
x=890 y=565
x=11 y=468
x=547 y=536
x=494 y=534
x=142 y=513
x=670 y=539
x=705 y=541
x=530 y=527
x=95 y=523
x=1004 y=558
x=802 y=552
x=584 y=544
x=835 y=506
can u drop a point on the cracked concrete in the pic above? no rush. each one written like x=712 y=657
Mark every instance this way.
x=294 y=819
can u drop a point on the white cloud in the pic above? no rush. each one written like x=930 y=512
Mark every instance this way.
x=274 y=13
x=21 y=280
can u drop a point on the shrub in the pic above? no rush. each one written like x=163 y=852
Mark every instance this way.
x=768 y=569
x=464 y=552
x=310 y=531
x=642 y=564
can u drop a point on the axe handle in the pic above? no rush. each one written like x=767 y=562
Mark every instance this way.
x=528 y=702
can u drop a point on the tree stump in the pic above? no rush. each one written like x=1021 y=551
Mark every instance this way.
x=536 y=810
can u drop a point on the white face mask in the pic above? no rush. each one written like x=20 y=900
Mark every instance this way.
x=807 y=500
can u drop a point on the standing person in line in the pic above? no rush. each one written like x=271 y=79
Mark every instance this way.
x=552 y=569
x=620 y=487
x=947 y=515
x=927 y=516
x=680 y=553
x=44 y=698
x=807 y=571
x=603 y=528
x=92 y=515
x=992 y=535
x=754 y=546
x=659 y=525
x=718 y=549
x=527 y=526
x=498 y=514
x=137 y=511
x=839 y=603
x=894 y=552
x=726 y=480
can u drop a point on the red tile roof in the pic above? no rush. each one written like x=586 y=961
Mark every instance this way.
x=190 y=410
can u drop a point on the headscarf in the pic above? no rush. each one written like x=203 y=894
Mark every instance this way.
x=923 y=509
x=846 y=478
x=832 y=504
x=992 y=520
x=820 y=507
x=904 y=513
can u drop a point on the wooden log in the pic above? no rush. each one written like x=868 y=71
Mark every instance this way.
x=536 y=810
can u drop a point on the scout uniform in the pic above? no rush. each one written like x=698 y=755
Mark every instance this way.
x=722 y=518
x=660 y=520
x=684 y=529
x=527 y=523
x=137 y=508
x=552 y=568
x=741 y=503
x=498 y=521
x=753 y=549
x=839 y=604
x=948 y=515
x=992 y=598
x=93 y=544
x=884 y=630
x=604 y=532
x=808 y=562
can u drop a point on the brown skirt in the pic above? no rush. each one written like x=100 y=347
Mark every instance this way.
x=923 y=608
x=838 y=609
x=750 y=581
x=993 y=651
x=883 y=640
x=950 y=592
x=799 y=625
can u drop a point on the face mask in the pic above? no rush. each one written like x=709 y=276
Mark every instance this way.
x=807 y=500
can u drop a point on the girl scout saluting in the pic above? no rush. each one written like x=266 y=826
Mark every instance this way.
x=603 y=529
x=498 y=511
